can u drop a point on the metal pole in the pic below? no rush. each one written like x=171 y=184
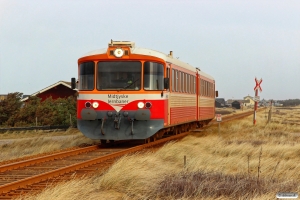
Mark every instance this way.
x=219 y=128
x=255 y=108
x=35 y=123
x=70 y=120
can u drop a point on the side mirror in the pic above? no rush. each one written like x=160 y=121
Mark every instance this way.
x=73 y=83
x=166 y=83
x=217 y=93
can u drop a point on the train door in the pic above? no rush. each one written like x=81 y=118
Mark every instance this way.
x=197 y=96
x=168 y=71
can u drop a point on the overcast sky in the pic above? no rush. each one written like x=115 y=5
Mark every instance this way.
x=232 y=40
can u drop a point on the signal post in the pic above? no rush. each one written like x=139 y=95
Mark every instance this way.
x=256 y=98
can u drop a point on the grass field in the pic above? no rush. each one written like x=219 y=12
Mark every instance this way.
x=243 y=161
x=25 y=144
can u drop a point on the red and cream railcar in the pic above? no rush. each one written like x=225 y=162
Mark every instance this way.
x=125 y=93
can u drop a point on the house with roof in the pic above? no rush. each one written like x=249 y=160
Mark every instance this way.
x=3 y=96
x=250 y=101
x=220 y=102
x=238 y=103
x=61 y=89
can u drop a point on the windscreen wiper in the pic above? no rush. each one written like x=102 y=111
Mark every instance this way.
x=127 y=86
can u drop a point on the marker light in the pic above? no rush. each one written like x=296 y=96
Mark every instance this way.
x=87 y=104
x=140 y=105
x=118 y=52
x=148 y=105
x=95 y=104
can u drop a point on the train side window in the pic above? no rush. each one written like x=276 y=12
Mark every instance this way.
x=153 y=76
x=193 y=86
x=180 y=80
x=183 y=82
x=198 y=86
x=211 y=90
x=86 y=76
x=201 y=87
x=205 y=88
x=188 y=81
x=208 y=89
x=176 y=81
x=192 y=83
x=173 y=80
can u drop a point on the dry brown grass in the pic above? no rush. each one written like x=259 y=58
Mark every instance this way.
x=242 y=162
x=19 y=145
x=33 y=133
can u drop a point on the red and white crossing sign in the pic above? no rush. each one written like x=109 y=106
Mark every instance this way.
x=256 y=88
x=257 y=84
x=219 y=117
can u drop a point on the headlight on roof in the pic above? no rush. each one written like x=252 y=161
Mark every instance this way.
x=118 y=52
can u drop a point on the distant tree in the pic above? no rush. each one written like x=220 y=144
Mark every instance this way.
x=45 y=112
x=290 y=102
x=27 y=114
x=13 y=112
x=63 y=109
x=9 y=108
x=57 y=112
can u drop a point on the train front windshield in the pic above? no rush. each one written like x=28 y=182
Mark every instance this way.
x=119 y=75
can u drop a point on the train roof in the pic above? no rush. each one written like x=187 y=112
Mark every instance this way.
x=150 y=52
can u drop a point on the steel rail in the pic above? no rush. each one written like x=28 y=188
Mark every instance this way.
x=24 y=183
x=42 y=159
x=58 y=172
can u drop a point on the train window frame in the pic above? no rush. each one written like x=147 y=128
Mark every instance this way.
x=160 y=74
x=189 y=83
x=113 y=76
x=86 y=79
x=173 y=80
x=205 y=89
x=201 y=87
x=179 y=74
x=176 y=80
x=186 y=83
x=193 y=86
x=182 y=84
x=204 y=84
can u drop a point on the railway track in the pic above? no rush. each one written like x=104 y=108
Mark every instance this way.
x=35 y=174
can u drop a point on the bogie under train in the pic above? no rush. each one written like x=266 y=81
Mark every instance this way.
x=126 y=93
